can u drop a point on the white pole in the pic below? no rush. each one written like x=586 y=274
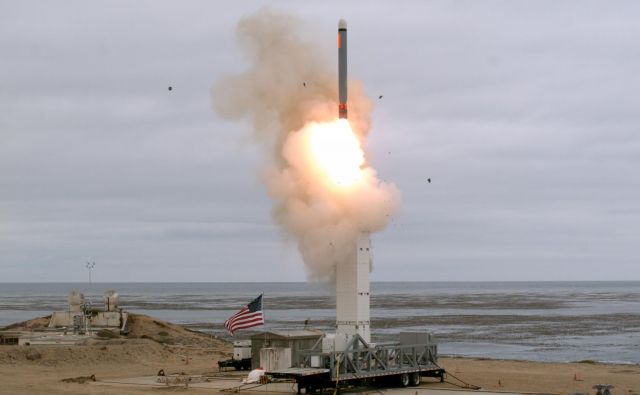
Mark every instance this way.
x=90 y=266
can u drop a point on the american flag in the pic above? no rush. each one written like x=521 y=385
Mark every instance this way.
x=249 y=316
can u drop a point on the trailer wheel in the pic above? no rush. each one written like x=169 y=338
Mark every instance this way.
x=404 y=379
x=414 y=379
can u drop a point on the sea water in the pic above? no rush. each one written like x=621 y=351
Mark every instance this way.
x=541 y=321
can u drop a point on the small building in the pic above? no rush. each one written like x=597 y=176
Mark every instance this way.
x=10 y=337
x=80 y=316
x=295 y=340
x=30 y=338
x=74 y=325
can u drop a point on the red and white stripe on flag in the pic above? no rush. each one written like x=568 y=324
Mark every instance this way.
x=249 y=316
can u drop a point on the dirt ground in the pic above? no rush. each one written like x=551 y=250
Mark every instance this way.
x=41 y=369
x=151 y=345
x=154 y=344
x=23 y=372
x=559 y=378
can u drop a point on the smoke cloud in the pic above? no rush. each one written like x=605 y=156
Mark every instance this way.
x=288 y=93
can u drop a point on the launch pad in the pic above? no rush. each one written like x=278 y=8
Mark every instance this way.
x=361 y=363
x=347 y=357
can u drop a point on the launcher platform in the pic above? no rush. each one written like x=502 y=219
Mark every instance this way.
x=361 y=364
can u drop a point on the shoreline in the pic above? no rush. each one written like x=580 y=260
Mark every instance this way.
x=556 y=321
x=584 y=361
x=197 y=329
x=154 y=344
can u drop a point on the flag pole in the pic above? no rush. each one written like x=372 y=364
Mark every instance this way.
x=264 y=324
x=263 y=310
x=264 y=320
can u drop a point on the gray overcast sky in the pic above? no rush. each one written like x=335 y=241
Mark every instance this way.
x=525 y=115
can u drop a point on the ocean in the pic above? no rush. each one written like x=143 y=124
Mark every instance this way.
x=537 y=321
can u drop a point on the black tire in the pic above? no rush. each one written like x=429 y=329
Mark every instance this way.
x=403 y=379
x=414 y=379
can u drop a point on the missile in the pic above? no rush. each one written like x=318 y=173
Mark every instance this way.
x=342 y=68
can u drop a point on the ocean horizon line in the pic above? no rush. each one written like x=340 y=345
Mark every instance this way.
x=323 y=282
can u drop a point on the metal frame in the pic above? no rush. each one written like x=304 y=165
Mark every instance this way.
x=361 y=363
x=359 y=360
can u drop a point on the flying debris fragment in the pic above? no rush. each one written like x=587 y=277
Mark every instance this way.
x=429 y=180
x=304 y=84
x=379 y=97
x=170 y=88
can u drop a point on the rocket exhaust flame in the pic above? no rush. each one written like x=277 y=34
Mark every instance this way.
x=336 y=151
x=325 y=193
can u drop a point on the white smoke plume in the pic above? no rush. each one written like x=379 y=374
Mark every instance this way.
x=288 y=92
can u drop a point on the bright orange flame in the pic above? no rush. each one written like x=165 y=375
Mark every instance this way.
x=336 y=152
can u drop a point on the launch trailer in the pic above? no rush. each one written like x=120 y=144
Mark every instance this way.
x=363 y=364
x=347 y=357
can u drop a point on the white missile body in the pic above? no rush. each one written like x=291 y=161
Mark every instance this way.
x=352 y=275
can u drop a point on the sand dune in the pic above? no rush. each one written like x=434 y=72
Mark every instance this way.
x=153 y=344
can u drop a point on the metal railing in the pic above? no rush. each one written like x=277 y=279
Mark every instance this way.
x=361 y=360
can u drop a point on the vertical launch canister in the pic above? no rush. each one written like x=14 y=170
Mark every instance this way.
x=352 y=275
x=352 y=293
x=342 y=68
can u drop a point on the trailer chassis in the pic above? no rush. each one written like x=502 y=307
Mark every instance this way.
x=362 y=364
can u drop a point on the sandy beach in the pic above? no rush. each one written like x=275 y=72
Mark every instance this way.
x=22 y=375
x=334 y=198
x=154 y=345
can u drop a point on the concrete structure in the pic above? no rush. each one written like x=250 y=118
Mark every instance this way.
x=80 y=317
x=29 y=338
x=76 y=301
x=111 y=300
x=353 y=294
x=296 y=340
x=52 y=338
x=76 y=324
